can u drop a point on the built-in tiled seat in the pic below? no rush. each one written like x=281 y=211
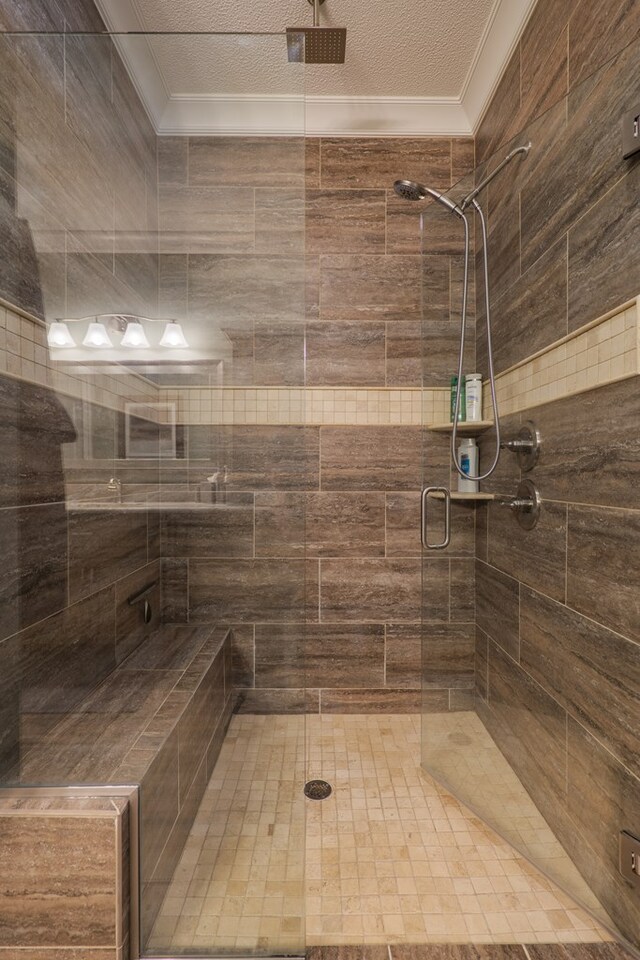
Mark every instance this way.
x=115 y=735
x=157 y=721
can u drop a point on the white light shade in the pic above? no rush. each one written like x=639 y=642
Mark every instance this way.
x=97 y=336
x=58 y=335
x=134 y=335
x=173 y=336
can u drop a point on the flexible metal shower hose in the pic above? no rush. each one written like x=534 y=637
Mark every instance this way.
x=463 y=333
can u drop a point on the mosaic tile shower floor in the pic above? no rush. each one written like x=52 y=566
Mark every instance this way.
x=389 y=857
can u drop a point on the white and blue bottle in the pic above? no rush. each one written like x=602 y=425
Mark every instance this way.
x=468 y=460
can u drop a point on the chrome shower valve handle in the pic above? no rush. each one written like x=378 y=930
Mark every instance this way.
x=526 y=445
x=516 y=445
x=526 y=505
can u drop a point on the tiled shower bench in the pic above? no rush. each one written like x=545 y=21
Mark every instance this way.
x=139 y=752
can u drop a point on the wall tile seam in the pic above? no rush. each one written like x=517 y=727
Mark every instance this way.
x=493 y=567
x=578 y=613
x=310 y=558
x=522 y=583
x=567 y=710
x=583 y=616
x=396 y=620
x=581 y=504
x=69 y=607
x=536 y=683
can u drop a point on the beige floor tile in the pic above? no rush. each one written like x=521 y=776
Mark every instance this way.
x=389 y=857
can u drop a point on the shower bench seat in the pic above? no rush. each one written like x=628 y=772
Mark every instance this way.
x=157 y=721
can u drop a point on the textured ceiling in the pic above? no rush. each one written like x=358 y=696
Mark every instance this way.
x=395 y=48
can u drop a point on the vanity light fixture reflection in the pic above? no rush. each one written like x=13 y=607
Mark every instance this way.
x=131 y=327
x=97 y=336
x=134 y=335
x=173 y=336
x=59 y=335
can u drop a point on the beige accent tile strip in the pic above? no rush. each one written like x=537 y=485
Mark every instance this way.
x=314 y=406
x=599 y=353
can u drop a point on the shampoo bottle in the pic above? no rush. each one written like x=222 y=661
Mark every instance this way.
x=474 y=396
x=462 y=411
x=468 y=460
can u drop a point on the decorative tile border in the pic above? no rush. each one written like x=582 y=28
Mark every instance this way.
x=324 y=406
x=599 y=353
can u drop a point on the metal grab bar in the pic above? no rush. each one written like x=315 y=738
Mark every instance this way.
x=141 y=597
x=141 y=594
x=447 y=518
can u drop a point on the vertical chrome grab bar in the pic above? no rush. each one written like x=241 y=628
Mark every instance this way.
x=447 y=518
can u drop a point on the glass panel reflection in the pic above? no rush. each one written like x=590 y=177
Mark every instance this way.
x=145 y=276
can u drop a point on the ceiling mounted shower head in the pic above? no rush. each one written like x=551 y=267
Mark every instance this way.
x=316 y=44
x=411 y=190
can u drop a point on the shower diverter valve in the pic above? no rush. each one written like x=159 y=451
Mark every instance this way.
x=526 y=504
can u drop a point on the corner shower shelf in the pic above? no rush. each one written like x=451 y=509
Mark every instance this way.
x=469 y=427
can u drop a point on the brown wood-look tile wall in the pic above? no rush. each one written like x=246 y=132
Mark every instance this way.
x=318 y=566
x=315 y=560
x=237 y=216
x=563 y=222
x=557 y=644
x=53 y=865
x=87 y=182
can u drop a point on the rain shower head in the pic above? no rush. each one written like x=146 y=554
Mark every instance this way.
x=411 y=190
x=316 y=44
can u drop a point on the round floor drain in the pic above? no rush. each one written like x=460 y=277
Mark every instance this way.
x=317 y=789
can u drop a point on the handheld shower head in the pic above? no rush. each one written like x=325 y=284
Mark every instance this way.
x=411 y=190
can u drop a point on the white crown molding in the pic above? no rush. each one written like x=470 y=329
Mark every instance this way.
x=501 y=37
x=233 y=116
x=237 y=115
x=121 y=17
x=386 y=116
x=314 y=116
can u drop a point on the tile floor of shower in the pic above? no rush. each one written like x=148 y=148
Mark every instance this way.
x=390 y=857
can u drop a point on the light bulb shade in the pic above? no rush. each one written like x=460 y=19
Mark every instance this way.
x=59 y=336
x=173 y=336
x=97 y=336
x=134 y=335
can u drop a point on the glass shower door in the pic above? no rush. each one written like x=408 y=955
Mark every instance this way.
x=157 y=462
x=448 y=603
x=484 y=763
x=232 y=229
